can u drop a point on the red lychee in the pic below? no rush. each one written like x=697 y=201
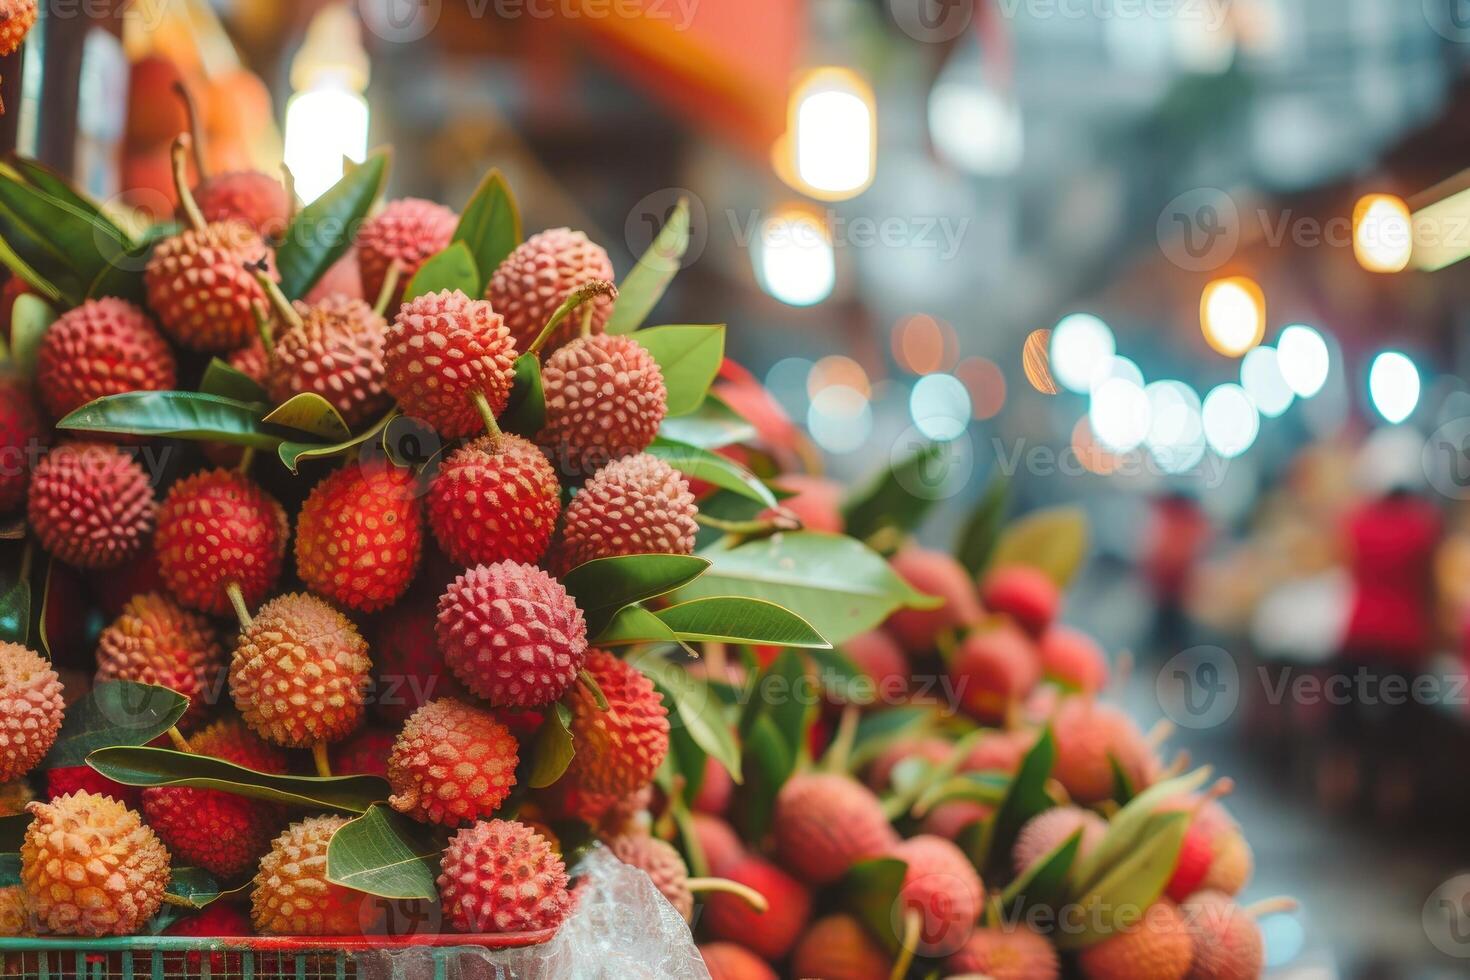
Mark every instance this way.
x=406 y=231
x=21 y=438
x=156 y=641
x=999 y=752
x=884 y=665
x=495 y=500
x=341 y=279
x=722 y=849
x=1157 y=947
x=480 y=864
x=605 y=398
x=91 y=504
x=531 y=282
x=824 y=823
x=1071 y=658
x=771 y=933
x=1227 y=941
x=1023 y=593
x=30 y=710
x=155 y=114
x=929 y=750
x=933 y=573
x=359 y=535
x=839 y=948
x=1088 y=736
x=364 y=753
x=1006 y=953
x=442 y=350
x=217 y=528
x=248 y=196
x=731 y=961
x=993 y=671
x=451 y=764
x=17 y=17
x=511 y=634
x=658 y=859
x=66 y=780
x=816 y=501
x=1044 y=832
x=715 y=789
x=941 y=887
x=635 y=505
x=103 y=347
x=292 y=894
x=618 y=749
x=407 y=669
x=333 y=348
x=218 y=919
x=954 y=817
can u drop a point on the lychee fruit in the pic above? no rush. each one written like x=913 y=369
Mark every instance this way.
x=359 y=535
x=91 y=504
x=103 y=347
x=17 y=17
x=155 y=115
x=993 y=671
x=882 y=662
x=954 y=817
x=937 y=574
x=408 y=670
x=632 y=506
x=502 y=876
x=451 y=764
x=65 y=780
x=221 y=832
x=1232 y=865
x=618 y=749
x=715 y=789
x=333 y=348
x=771 y=933
x=157 y=641
x=299 y=672
x=248 y=196
x=21 y=438
x=837 y=947
x=1227 y=940
x=218 y=919
x=364 y=753
x=292 y=896
x=1023 y=593
x=341 y=278
x=731 y=961
x=495 y=500
x=251 y=361
x=930 y=750
x=815 y=500
x=722 y=848
x=1156 y=947
x=215 y=529
x=1089 y=737
x=1046 y=831
x=15 y=912
x=1006 y=953
x=1073 y=659
x=605 y=398
x=442 y=351
x=824 y=823
x=30 y=710
x=999 y=752
x=406 y=231
x=90 y=867
x=511 y=634
x=662 y=863
x=116 y=587
x=941 y=887
x=1192 y=864
x=532 y=281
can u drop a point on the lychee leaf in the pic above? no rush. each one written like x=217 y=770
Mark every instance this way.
x=10 y=866
x=739 y=619
x=554 y=749
x=711 y=426
x=192 y=888
x=292 y=453
x=697 y=708
x=114 y=713
x=642 y=288
x=51 y=228
x=490 y=226
x=1026 y=797
x=386 y=854
x=450 y=268
x=1127 y=828
x=634 y=626
x=48 y=181
x=870 y=890
x=981 y=532
x=321 y=232
x=701 y=464
x=310 y=413
x=229 y=382
x=603 y=586
x=525 y=412
x=30 y=318
x=15 y=612
x=177 y=415
x=1044 y=883
x=766 y=762
x=1130 y=886
x=689 y=357
x=901 y=496
x=878 y=730
x=1053 y=540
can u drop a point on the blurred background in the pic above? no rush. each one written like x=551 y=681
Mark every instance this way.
x=1190 y=265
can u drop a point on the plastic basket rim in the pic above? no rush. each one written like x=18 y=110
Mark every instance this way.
x=351 y=944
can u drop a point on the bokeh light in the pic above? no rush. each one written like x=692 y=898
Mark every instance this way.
x=923 y=344
x=940 y=406
x=1383 y=233
x=1303 y=358
x=1261 y=377
x=1080 y=343
x=793 y=257
x=986 y=383
x=1093 y=457
x=1176 y=434
x=1036 y=361
x=1119 y=414
x=1233 y=315
x=975 y=128
x=1230 y=419
x=786 y=380
x=833 y=132
x=1116 y=366
x=837 y=369
x=840 y=419
x=1393 y=383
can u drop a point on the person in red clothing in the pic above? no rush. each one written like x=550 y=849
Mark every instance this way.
x=1391 y=543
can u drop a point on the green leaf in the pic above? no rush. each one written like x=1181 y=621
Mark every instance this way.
x=711 y=426
x=30 y=257
x=1044 y=884
x=30 y=318
x=1026 y=797
x=10 y=868
x=1135 y=882
x=642 y=288
x=701 y=464
x=323 y=230
x=1053 y=540
x=490 y=226
x=634 y=625
x=972 y=787
x=311 y=413
x=13 y=831
x=982 y=530
x=228 y=382
x=525 y=412
x=114 y=713
x=554 y=749
x=1122 y=783
x=451 y=268
x=888 y=502
x=194 y=888
x=737 y=619
x=767 y=763
x=879 y=729
x=689 y=357
x=870 y=890
x=292 y=453
x=86 y=243
x=15 y=613
x=50 y=182
x=45 y=604
x=779 y=697
x=176 y=414
x=385 y=853
x=145 y=766
x=838 y=585
x=604 y=585
x=696 y=707
x=1127 y=831
x=124 y=277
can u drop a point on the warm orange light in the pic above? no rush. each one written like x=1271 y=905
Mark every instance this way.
x=1036 y=361
x=1090 y=453
x=986 y=383
x=830 y=148
x=1232 y=315
x=1383 y=233
x=924 y=345
x=836 y=369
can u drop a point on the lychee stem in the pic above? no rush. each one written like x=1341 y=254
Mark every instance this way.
x=587 y=312
x=178 y=900
x=1160 y=733
x=492 y=428
x=237 y=599
x=1271 y=906
x=752 y=897
x=319 y=756
x=191 y=113
x=182 y=142
x=575 y=298
x=263 y=328
x=389 y=288
x=590 y=683
x=913 y=922
x=841 y=748
x=770 y=525
x=181 y=744
x=247 y=456
x=278 y=299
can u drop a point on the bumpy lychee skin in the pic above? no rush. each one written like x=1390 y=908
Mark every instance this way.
x=771 y=933
x=408 y=670
x=200 y=287
x=216 y=528
x=16 y=19
x=251 y=360
x=511 y=634
x=1227 y=941
x=299 y=672
x=662 y=863
x=635 y=505
x=531 y=282
x=90 y=867
x=359 y=536
x=1046 y=831
x=336 y=352
x=993 y=671
x=605 y=398
x=365 y=753
x=839 y=948
x=618 y=750
x=91 y=505
x=15 y=912
x=75 y=779
x=731 y=961
x=220 y=832
x=826 y=822
x=1087 y=735
x=103 y=347
x=441 y=349
x=451 y=764
x=495 y=500
x=933 y=573
x=1002 y=953
x=248 y=196
x=1157 y=947
x=292 y=896
x=30 y=710
x=999 y=752
x=1072 y=658
x=940 y=885
x=408 y=231
x=21 y=436
x=502 y=876
x=157 y=641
